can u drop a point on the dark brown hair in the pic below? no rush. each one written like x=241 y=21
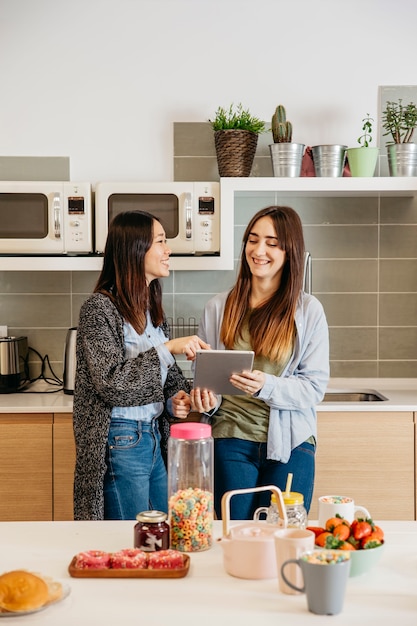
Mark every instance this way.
x=271 y=325
x=123 y=275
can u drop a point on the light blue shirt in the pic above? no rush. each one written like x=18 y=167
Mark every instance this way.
x=134 y=345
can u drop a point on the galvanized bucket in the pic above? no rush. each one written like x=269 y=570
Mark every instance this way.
x=402 y=159
x=329 y=160
x=287 y=158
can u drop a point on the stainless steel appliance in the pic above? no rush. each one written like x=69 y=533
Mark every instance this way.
x=70 y=360
x=41 y=218
x=188 y=211
x=14 y=368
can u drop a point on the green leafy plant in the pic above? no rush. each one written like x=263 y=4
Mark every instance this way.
x=365 y=139
x=399 y=121
x=236 y=118
x=281 y=128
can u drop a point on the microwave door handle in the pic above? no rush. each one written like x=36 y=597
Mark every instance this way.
x=57 y=216
x=188 y=216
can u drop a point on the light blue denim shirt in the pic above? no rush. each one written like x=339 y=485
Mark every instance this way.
x=292 y=397
x=134 y=345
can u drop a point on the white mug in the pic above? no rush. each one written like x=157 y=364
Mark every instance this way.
x=291 y=543
x=330 y=506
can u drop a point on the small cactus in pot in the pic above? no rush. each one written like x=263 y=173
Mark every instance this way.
x=286 y=156
x=280 y=126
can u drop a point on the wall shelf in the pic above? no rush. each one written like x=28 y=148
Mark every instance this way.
x=94 y=262
x=312 y=186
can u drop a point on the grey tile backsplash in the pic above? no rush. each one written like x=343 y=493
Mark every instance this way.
x=364 y=272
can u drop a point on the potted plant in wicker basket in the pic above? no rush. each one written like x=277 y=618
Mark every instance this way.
x=286 y=156
x=362 y=161
x=400 y=121
x=236 y=134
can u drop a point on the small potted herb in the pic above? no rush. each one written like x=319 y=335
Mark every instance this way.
x=236 y=133
x=362 y=161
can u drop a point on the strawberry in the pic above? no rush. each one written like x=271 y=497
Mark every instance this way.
x=317 y=530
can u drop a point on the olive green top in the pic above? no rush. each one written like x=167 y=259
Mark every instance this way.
x=244 y=416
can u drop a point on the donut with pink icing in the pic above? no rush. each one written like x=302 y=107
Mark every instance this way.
x=130 y=558
x=165 y=559
x=92 y=559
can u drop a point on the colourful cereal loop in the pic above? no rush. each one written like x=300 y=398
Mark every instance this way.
x=191 y=519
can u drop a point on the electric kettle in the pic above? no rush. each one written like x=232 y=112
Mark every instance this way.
x=70 y=360
x=14 y=367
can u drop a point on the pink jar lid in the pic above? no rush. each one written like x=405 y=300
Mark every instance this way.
x=190 y=430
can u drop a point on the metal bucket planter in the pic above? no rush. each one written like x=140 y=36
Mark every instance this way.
x=287 y=158
x=235 y=150
x=362 y=161
x=329 y=160
x=402 y=159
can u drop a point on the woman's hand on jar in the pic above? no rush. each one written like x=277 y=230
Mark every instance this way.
x=181 y=405
x=249 y=382
x=187 y=345
x=202 y=400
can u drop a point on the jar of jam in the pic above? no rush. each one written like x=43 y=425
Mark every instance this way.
x=151 y=532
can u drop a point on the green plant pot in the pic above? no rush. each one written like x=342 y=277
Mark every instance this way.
x=362 y=161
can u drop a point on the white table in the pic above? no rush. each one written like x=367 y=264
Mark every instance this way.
x=207 y=595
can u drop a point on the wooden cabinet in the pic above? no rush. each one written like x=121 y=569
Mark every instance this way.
x=37 y=457
x=25 y=467
x=63 y=467
x=370 y=457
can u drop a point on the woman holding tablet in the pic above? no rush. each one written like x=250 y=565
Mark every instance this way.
x=270 y=431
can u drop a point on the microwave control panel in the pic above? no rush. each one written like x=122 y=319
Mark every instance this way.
x=207 y=228
x=77 y=218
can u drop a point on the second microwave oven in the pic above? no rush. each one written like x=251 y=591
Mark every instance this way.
x=45 y=218
x=188 y=211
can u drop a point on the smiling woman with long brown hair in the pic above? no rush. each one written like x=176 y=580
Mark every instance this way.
x=270 y=430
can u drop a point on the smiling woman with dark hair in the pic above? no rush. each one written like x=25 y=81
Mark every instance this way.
x=127 y=380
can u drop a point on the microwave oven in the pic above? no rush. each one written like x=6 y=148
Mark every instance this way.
x=188 y=211
x=45 y=218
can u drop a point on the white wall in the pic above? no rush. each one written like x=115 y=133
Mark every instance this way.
x=102 y=81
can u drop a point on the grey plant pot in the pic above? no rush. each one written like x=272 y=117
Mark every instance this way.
x=329 y=159
x=287 y=159
x=402 y=159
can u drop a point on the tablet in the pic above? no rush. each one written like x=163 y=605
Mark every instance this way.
x=213 y=369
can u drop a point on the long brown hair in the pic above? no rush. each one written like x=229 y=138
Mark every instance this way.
x=271 y=325
x=123 y=275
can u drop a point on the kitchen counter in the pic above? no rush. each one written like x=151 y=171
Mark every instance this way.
x=40 y=397
x=401 y=394
x=207 y=595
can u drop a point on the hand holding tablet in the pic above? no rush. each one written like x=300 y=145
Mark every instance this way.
x=213 y=369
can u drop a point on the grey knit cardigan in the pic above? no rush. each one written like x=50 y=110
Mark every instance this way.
x=105 y=379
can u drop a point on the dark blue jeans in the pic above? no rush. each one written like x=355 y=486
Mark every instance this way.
x=241 y=464
x=136 y=477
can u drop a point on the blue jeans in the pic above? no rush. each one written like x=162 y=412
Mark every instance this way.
x=241 y=464
x=136 y=477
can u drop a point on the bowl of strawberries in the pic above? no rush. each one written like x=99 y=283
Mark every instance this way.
x=362 y=538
